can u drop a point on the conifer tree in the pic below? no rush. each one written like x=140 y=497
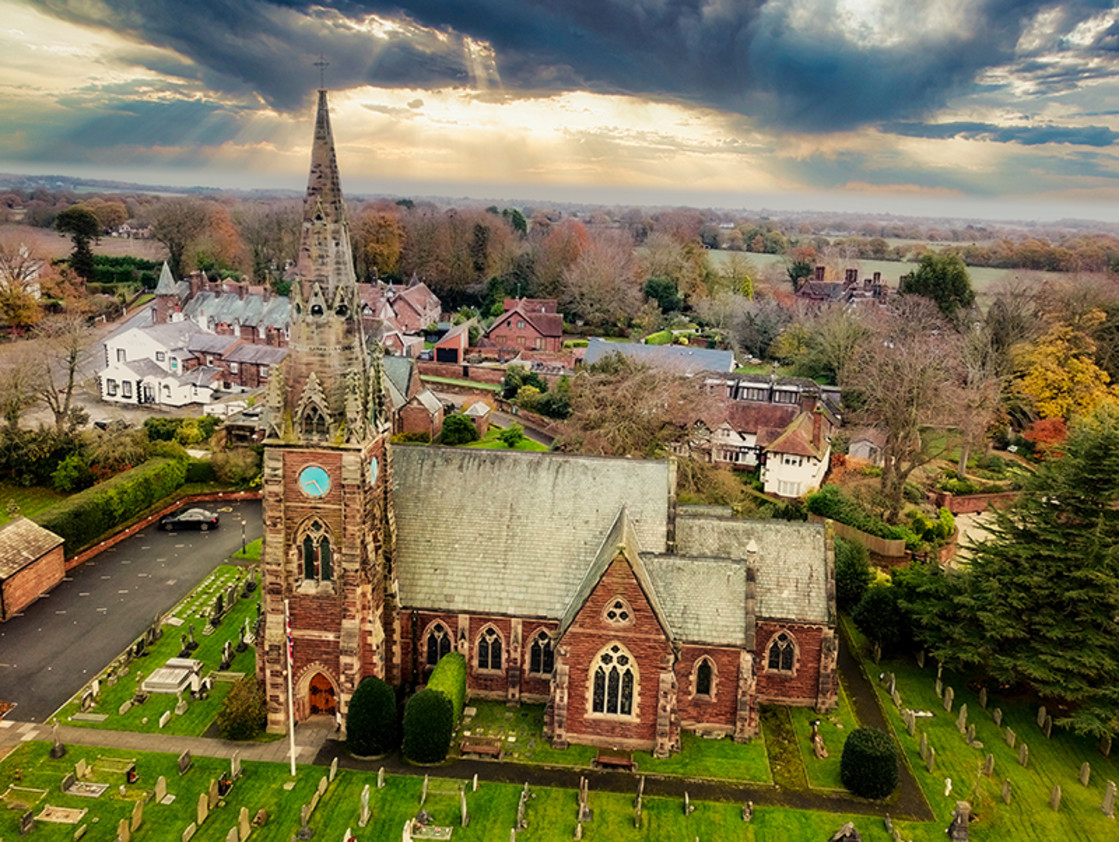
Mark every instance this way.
x=1041 y=604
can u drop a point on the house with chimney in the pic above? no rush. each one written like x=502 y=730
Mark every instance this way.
x=528 y=323
x=851 y=291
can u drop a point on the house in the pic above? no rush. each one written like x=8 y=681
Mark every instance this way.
x=528 y=323
x=682 y=359
x=479 y=414
x=154 y=365
x=819 y=291
x=867 y=444
x=414 y=408
x=577 y=581
x=796 y=461
x=415 y=306
x=396 y=318
x=31 y=563
x=452 y=346
x=422 y=413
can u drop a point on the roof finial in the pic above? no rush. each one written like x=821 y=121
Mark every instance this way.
x=322 y=64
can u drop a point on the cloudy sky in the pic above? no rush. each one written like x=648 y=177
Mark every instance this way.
x=1003 y=108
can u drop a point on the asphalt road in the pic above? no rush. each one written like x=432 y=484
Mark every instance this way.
x=50 y=651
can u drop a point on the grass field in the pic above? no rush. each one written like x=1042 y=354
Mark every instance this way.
x=469 y=384
x=490 y=441
x=49 y=243
x=31 y=501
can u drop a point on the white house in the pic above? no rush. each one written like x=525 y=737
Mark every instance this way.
x=155 y=365
x=797 y=460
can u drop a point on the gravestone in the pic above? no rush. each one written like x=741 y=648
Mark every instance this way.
x=1041 y=714
x=997 y=716
x=81 y=769
x=26 y=823
x=160 y=789
x=958 y=830
x=911 y=722
x=164 y=718
x=1024 y=754
x=1105 y=745
x=1011 y=737
x=381 y=778
x=895 y=697
x=464 y=818
x=989 y=765
x=203 y=808
x=983 y=697
x=970 y=734
x=212 y=793
x=125 y=707
x=1006 y=791
x=423 y=792
x=1047 y=726
x=260 y=818
x=475 y=782
x=233 y=835
x=930 y=761
x=235 y=765
x=924 y=747
x=748 y=811
x=67 y=781
x=243 y=823
x=180 y=706
x=364 y=807
x=1108 y=805
x=949 y=697
x=688 y=807
x=1055 y=798
x=1085 y=773
x=333 y=769
x=939 y=688
x=123 y=832
x=137 y=815
x=188 y=834
x=961 y=720
x=921 y=658
x=57 y=748
x=184 y=762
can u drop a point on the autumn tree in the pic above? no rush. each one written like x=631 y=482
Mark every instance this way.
x=901 y=380
x=178 y=223
x=110 y=213
x=18 y=388
x=378 y=241
x=271 y=234
x=219 y=247
x=601 y=286
x=555 y=248
x=941 y=277
x=83 y=228
x=20 y=273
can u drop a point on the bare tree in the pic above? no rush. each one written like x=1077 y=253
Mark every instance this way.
x=18 y=387
x=177 y=223
x=56 y=376
x=903 y=378
x=271 y=232
x=601 y=285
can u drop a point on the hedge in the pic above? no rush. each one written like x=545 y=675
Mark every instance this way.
x=869 y=766
x=85 y=517
x=428 y=726
x=371 y=718
x=449 y=678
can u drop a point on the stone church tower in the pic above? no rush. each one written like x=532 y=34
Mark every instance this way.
x=327 y=508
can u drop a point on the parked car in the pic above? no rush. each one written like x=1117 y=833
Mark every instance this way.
x=190 y=519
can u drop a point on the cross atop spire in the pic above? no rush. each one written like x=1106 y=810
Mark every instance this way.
x=322 y=64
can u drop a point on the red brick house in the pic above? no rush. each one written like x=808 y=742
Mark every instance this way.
x=451 y=348
x=31 y=563
x=528 y=323
x=415 y=306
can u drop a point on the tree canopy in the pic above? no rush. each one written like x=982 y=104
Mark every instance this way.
x=941 y=277
x=83 y=227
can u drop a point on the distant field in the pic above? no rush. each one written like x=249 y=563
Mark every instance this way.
x=52 y=244
x=983 y=278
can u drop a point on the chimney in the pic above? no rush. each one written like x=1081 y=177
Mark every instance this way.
x=819 y=273
x=241 y=291
x=817 y=428
x=851 y=277
x=195 y=284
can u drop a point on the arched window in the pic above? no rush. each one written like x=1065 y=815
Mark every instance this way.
x=438 y=644
x=489 y=649
x=541 y=658
x=314 y=422
x=617 y=612
x=318 y=556
x=704 y=678
x=614 y=682
x=782 y=653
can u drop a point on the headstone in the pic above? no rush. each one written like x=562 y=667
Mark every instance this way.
x=235 y=765
x=364 y=807
x=989 y=765
x=381 y=778
x=970 y=734
x=464 y=817
x=997 y=716
x=1006 y=791
x=260 y=818
x=184 y=762
x=983 y=697
x=1047 y=726
x=212 y=793
x=1105 y=745
x=304 y=815
x=958 y=830
x=123 y=832
x=26 y=823
x=137 y=815
x=930 y=761
x=1041 y=714
x=1108 y=805
x=911 y=722
x=893 y=685
x=847 y=833
x=81 y=769
x=924 y=747
x=333 y=769
x=423 y=792
x=1023 y=754
x=57 y=748
x=233 y=835
x=125 y=707
x=164 y=718
x=160 y=789
x=203 y=808
x=67 y=781
x=1085 y=773
x=188 y=834
x=180 y=706
x=939 y=688
x=688 y=808
x=895 y=697
x=877 y=652
x=961 y=720
x=921 y=658
x=748 y=811
x=1055 y=797
x=243 y=823
x=80 y=832
x=1011 y=738
x=949 y=697
x=475 y=782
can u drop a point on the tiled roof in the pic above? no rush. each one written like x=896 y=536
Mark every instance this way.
x=477 y=410
x=246 y=352
x=797 y=439
x=704 y=599
x=791 y=567
x=21 y=542
x=210 y=343
x=679 y=358
x=509 y=532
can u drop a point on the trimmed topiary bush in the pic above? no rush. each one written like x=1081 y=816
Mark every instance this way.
x=371 y=718
x=449 y=678
x=457 y=429
x=429 y=722
x=869 y=766
x=243 y=712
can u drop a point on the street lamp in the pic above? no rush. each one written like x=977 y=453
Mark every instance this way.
x=242 y=536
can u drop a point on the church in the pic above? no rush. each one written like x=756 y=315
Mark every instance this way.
x=574 y=581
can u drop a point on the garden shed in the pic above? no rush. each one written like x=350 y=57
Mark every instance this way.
x=31 y=563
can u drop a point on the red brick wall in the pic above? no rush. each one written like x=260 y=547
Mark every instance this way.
x=800 y=687
x=646 y=642
x=24 y=587
x=416 y=419
x=478 y=374
x=723 y=706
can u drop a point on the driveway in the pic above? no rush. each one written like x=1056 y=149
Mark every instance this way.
x=51 y=650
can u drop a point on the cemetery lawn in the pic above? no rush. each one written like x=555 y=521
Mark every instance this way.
x=31 y=501
x=200 y=714
x=716 y=759
x=1054 y=761
x=526 y=725
x=251 y=551
x=550 y=813
x=834 y=727
x=490 y=441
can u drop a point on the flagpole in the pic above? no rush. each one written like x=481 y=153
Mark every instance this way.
x=291 y=698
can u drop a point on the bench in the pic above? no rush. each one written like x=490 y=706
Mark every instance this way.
x=487 y=748
x=609 y=758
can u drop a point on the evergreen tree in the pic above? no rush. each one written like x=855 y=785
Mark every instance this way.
x=943 y=277
x=1041 y=604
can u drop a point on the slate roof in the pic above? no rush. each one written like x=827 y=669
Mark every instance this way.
x=797 y=439
x=170 y=335
x=229 y=307
x=679 y=358
x=509 y=532
x=211 y=343
x=21 y=542
x=791 y=573
x=428 y=401
x=704 y=598
x=398 y=371
x=246 y=352
x=144 y=368
x=166 y=285
x=477 y=410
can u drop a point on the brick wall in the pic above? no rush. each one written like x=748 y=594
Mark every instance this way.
x=463 y=371
x=721 y=707
x=801 y=686
x=25 y=586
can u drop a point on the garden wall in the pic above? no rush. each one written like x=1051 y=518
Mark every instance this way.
x=462 y=371
x=971 y=503
x=886 y=547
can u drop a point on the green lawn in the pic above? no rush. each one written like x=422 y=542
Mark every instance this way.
x=834 y=727
x=526 y=725
x=31 y=501
x=452 y=381
x=700 y=758
x=193 y=610
x=490 y=441
x=251 y=551
x=1052 y=762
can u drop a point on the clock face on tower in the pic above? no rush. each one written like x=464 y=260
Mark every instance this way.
x=314 y=481
x=373 y=468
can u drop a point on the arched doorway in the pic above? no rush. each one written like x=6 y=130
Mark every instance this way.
x=320 y=696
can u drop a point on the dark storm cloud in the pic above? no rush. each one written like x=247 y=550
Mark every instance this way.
x=1024 y=135
x=787 y=62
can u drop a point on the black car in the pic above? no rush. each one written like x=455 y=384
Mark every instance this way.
x=190 y=519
